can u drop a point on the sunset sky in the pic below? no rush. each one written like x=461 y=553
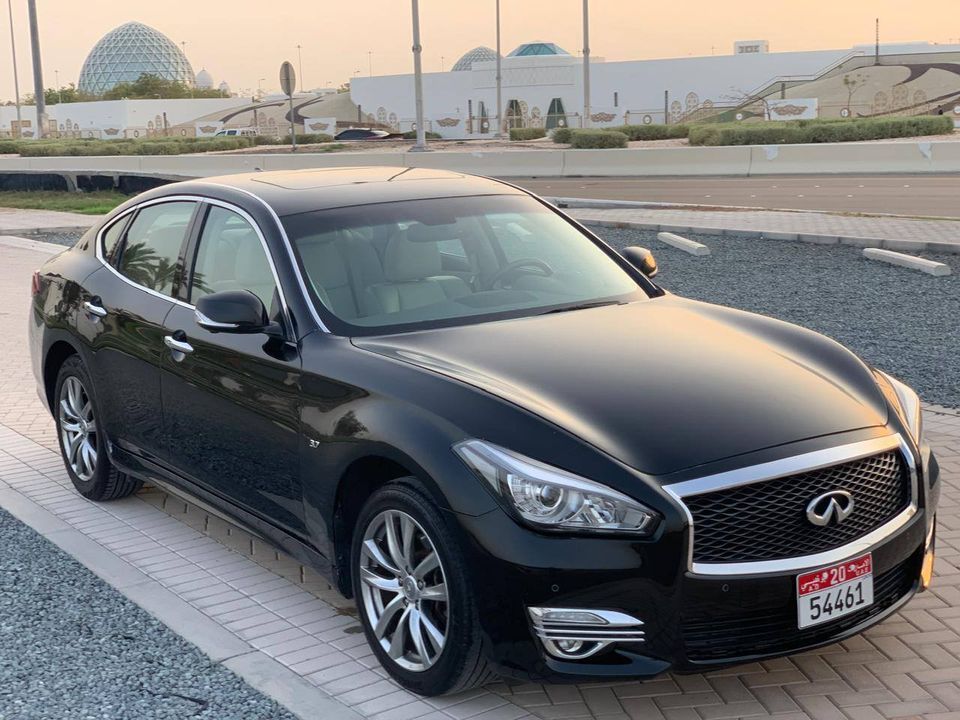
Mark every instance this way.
x=241 y=41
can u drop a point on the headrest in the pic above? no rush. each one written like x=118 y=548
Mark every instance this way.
x=406 y=260
x=323 y=261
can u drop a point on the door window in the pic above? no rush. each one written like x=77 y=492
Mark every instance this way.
x=230 y=256
x=112 y=236
x=151 y=253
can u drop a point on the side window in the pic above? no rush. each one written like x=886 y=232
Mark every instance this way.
x=152 y=250
x=111 y=237
x=230 y=256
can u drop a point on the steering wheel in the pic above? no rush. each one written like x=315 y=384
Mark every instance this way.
x=532 y=263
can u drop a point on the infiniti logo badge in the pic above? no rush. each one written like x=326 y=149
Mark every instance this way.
x=834 y=506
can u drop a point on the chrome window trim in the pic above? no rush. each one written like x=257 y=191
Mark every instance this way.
x=791 y=466
x=198 y=200
x=289 y=248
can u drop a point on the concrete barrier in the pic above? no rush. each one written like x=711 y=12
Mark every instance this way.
x=930 y=267
x=691 y=247
x=742 y=161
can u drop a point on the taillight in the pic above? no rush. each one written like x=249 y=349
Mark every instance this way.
x=35 y=284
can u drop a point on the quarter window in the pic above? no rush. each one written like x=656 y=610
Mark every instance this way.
x=112 y=236
x=151 y=253
x=230 y=256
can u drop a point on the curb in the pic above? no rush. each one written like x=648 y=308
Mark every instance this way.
x=255 y=667
x=818 y=239
x=912 y=262
x=22 y=243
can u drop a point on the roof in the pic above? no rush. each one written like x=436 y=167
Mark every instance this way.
x=297 y=191
x=479 y=54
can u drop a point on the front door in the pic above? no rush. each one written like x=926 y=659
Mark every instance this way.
x=231 y=402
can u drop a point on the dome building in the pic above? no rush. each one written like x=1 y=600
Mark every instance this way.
x=538 y=48
x=129 y=51
x=204 y=80
x=478 y=54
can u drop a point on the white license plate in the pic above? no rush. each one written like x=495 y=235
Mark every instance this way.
x=833 y=592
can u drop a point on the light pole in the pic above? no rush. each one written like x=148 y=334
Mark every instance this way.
x=37 y=71
x=16 y=80
x=421 y=144
x=586 y=63
x=300 y=66
x=59 y=89
x=499 y=133
x=370 y=62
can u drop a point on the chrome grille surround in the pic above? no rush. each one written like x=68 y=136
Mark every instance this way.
x=607 y=627
x=785 y=467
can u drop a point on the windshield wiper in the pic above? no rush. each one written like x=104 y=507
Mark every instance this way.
x=583 y=306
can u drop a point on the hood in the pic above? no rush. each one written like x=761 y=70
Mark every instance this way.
x=662 y=385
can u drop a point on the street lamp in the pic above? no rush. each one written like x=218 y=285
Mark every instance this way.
x=370 y=61
x=260 y=88
x=59 y=89
x=300 y=63
x=499 y=133
x=40 y=99
x=421 y=144
x=16 y=80
x=586 y=63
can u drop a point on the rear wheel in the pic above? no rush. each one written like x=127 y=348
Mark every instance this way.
x=411 y=587
x=82 y=441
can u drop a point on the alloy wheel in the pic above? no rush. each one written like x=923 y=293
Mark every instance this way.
x=404 y=590
x=78 y=429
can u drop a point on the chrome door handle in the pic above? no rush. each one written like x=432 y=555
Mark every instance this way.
x=177 y=345
x=94 y=309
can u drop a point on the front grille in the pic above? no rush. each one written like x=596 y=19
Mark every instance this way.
x=768 y=521
x=714 y=634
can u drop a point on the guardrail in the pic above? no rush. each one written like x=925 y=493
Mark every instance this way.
x=740 y=161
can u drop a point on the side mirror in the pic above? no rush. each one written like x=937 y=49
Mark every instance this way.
x=642 y=259
x=234 y=311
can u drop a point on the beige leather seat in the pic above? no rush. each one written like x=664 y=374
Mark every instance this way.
x=413 y=276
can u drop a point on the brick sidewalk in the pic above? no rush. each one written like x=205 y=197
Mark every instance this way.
x=908 y=666
x=944 y=233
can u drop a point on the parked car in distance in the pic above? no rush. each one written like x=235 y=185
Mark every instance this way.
x=236 y=132
x=363 y=134
x=518 y=453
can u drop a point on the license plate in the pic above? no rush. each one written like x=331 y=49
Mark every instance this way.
x=833 y=592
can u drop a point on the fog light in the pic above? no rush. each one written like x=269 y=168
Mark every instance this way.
x=579 y=633
x=570 y=646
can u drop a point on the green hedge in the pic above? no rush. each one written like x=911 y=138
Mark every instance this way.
x=412 y=135
x=597 y=139
x=652 y=132
x=781 y=133
x=307 y=139
x=562 y=135
x=101 y=148
x=527 y=133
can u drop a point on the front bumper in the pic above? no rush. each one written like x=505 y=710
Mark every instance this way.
x=691 y=622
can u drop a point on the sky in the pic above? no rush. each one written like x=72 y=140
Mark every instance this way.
x=242 y=41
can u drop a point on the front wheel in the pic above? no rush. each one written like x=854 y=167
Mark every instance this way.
x=81 y=437
x=411 y=587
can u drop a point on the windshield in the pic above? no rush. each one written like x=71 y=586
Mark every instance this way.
x=428 y=263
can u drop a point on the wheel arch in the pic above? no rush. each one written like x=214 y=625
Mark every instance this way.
x=53 y=360
x=359 y=481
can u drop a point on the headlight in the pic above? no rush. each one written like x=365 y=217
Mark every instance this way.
x=905 y=400
x=553 y=499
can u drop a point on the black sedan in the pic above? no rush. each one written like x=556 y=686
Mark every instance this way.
x=517 y=452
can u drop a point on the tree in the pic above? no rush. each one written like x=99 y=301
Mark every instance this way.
x=853 y=83
x=149 y=86
x=68 y=94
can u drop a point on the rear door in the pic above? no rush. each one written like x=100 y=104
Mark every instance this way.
x=123 y=314
x=231 y=402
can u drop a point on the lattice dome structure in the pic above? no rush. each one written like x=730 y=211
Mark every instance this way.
x=478 y=54
x=129 y=51
x=538 y=48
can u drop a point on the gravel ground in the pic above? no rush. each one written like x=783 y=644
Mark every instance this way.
x=66 y=237
x=902 y=321
x=73 y=647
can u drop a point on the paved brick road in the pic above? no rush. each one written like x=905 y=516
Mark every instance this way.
x=907 y=667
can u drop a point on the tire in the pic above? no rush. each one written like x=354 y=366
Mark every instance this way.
x=78 y=417
x=460 y=662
